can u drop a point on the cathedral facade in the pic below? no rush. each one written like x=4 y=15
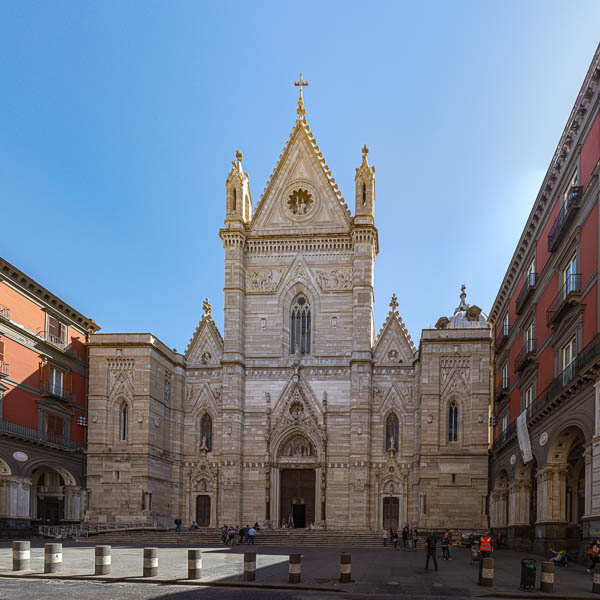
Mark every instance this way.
x=298 y=409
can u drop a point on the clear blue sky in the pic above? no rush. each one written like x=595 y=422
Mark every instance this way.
x=120 y=121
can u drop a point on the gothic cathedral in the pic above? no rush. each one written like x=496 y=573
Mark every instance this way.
x=298 y=411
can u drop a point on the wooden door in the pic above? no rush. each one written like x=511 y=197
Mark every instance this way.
x=391 y=509
x=298 y=488
x=203 y=510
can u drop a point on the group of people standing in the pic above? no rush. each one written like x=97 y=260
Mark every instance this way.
x=409 y=537
x=232 y=535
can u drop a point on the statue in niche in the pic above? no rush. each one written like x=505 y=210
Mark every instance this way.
x=203 y=445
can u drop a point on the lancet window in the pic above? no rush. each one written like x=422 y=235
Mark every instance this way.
x=123 y=422
x=233 y=199
x=300 y=326
x=206 y=433
x=392 y=433
x=453 y=422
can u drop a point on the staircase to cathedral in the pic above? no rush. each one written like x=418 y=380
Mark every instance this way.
x=269 y=537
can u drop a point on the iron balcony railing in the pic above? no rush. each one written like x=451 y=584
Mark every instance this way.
x=48 y=388
x=4 y=312
x=502 y=335
x=567 y=295
x=52 y=339
x=526 y=354
x=589 y=355
x=528 y=287
x=501 y=389
x=38 y=436
x=565 y=217
x=4 y=369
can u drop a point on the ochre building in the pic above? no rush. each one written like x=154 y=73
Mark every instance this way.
x=299 y=409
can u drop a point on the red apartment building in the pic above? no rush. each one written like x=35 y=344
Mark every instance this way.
x=43 y=371
x=547 y=354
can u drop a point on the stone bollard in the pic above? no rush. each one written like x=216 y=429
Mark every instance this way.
x=345 y=568
x=295 y=560
x=486 y=572
x=596 y=584
x=103 y=560
x=547 y=580
x=194 y=564
x=250 y=566
x=21 y=556
x=150 y=562
x=52 y=558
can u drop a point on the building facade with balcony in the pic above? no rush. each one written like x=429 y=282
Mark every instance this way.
x=547 y=355
x=43 y=385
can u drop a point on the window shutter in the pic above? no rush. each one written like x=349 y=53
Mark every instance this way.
x=1 y=351
x=68 y=382
x=44 y=372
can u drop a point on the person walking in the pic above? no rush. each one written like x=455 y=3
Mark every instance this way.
x=445 y=542
x=251 y=535
x=385 y=537
x=405 y=535
x=593 y=553
x=243 y=533
x=394 y=538
x=430 y=546
x=415 y=537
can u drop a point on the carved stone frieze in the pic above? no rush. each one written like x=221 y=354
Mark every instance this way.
x=263 y=281
x=334 y=279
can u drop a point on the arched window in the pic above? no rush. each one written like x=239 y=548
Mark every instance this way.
x=391 y=433
x=453 y=422
x=300 y=326
x=123 y=422
x=233 y=199
x=206 y=433
x=364 y=198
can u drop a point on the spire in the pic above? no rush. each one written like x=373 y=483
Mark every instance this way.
x=301 y=83
x=463 y=304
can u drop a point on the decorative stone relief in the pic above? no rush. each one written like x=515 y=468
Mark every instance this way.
x=206 y=358
x=543 y=438
x=334 y=279
x=300 y=202
x=298 y=446
x=263 y=281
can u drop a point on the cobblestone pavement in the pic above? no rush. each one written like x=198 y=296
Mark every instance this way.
x=375 y=572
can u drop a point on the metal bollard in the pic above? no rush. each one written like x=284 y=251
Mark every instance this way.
x=547 y=580
x=194 y=564
x=150 y=562
x=486 y=572
x=249 y=566
x=21 y=556
x=474 y=554
x=52 y=558
x=345 y=568
x=596 y=584
x=295 y=560
x=102 y=561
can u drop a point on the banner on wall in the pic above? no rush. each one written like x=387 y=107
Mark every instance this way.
x=523 y=437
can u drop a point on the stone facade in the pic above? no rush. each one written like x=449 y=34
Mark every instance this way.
x=299 y=408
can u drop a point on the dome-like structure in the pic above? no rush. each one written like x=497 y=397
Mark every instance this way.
x=464 y=316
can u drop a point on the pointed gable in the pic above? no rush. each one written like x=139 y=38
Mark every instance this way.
x=206 y=346
x=301 y=194
x=394 y=345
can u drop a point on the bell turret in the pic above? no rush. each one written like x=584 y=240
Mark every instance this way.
x=364 y=207
x=239 y=200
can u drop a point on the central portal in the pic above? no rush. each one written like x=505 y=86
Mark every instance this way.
x=298 y=496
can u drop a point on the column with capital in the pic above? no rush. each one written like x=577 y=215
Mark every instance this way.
x=591 y=518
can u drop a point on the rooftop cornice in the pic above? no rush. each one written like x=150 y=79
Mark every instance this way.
x=33 y=289
x=571 y=135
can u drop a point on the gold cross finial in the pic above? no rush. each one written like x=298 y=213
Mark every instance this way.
x=239 y=155
x=463 y=287
x=206 y=307
x=365 y=150
x=394 y=302
x=301 y=83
